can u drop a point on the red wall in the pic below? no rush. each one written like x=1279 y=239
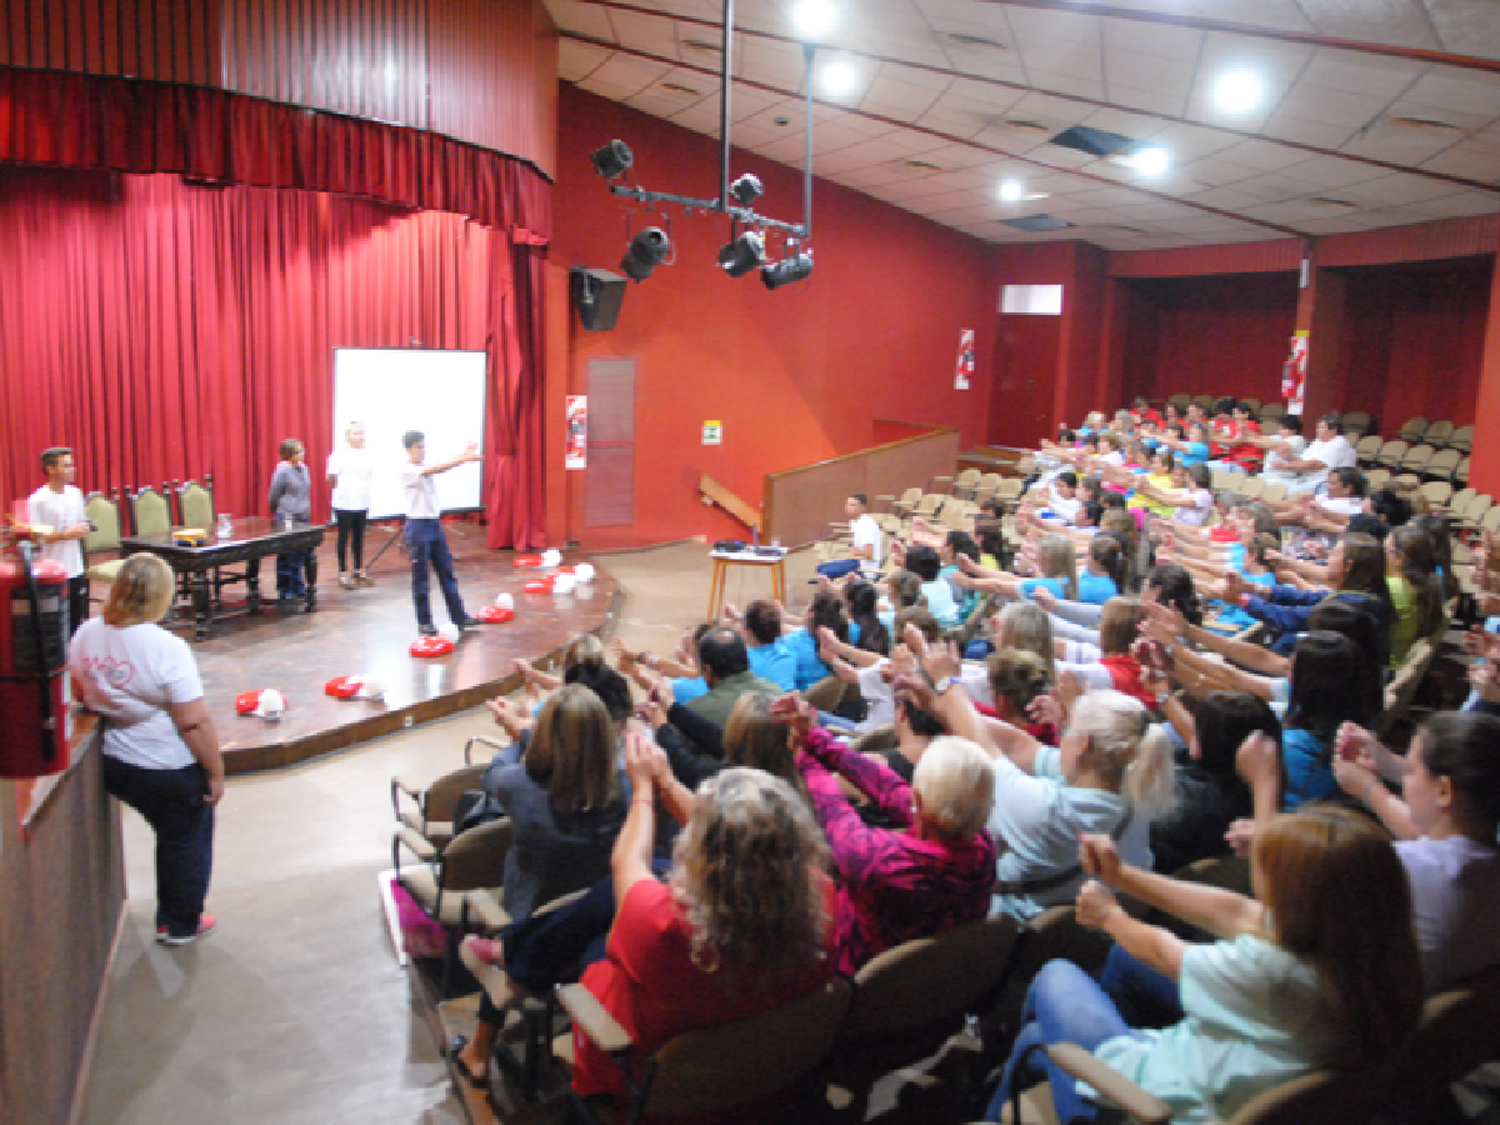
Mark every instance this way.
x=1413 y=340
x=1208 y=335
x=795 y=375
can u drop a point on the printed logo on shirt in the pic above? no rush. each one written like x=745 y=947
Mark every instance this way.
x=116 y=673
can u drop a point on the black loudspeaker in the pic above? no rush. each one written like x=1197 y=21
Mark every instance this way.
x=596 y=295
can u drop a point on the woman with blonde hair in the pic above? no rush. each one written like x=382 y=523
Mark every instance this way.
x=935 y=871
x=160 y=751
x=742 y=924
x=1055 y=561
x=1112 y=773
x=1320 y=968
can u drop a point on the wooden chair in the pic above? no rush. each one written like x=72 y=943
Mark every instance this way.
x=910 y=1000
x=426 y=813
x=195 y=504
x=966 y=483
x=1368 y=448
x=1462 y=439
x=104 y=512
x=150 y=512
x=1412 y=429
x=744 y=1063
x=1416 y=458
x=907 y=501
x=473 y=860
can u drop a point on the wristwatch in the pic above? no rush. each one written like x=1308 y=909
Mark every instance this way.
x=942 y=686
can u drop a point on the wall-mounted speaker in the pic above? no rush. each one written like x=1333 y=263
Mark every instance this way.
x=596 y=295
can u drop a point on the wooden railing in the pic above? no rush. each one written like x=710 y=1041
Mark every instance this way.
x=800 y=502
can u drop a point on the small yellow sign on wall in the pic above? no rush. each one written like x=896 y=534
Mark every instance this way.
x=713 y=432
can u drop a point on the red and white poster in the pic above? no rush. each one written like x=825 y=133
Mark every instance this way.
x=965 y=359
x=1294 y=375
x=576 y=455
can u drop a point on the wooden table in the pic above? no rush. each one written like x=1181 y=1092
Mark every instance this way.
x=250 y=540
x=723 y=560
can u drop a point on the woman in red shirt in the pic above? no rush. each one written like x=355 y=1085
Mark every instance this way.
x=742 y=925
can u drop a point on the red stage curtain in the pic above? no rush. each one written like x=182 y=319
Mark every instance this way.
x=127 y=125
x=165 y=330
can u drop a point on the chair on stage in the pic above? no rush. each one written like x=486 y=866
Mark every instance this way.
x=104 y=513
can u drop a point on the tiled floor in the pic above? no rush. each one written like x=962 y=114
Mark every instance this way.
x=296 y=1011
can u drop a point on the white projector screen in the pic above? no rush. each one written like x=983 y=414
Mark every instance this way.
x=392 y=390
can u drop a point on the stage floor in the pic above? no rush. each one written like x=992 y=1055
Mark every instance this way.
x=367 y=631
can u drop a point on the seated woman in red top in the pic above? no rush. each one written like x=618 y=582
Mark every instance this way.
x=742 y=925
x=936 y=872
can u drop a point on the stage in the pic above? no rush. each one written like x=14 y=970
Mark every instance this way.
x=368 y=631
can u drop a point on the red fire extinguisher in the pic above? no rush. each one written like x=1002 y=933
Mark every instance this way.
x=33 y=666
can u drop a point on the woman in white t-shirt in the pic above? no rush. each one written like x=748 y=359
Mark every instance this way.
x=349 y=472
x=160 y=751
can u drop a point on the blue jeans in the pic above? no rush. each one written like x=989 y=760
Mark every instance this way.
x=1144 y=996
x=291 y=573
x=1063 y=1005
x=839 y=567
x=172 y=801
x=427 y=543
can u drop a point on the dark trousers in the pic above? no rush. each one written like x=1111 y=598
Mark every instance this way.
x=351 y=531
x=291 y=571
x=427 y=543
x=839 y=567
x=172 y=801
x=78 y=602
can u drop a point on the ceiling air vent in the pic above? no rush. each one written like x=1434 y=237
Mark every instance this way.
x=681 y=90
x=970 y=42
x=919 y=165
x=1333 y=204
x=1095 y=142
x=703 y=45
x=1036 y=224
x=1425 y=124
x=1021 y=125
x=1118 y=228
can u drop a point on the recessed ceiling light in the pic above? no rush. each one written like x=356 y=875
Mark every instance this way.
x=1238 y=92
x=1012 y=191
x=838 y=77
x=814 y=19
x=1152 y=161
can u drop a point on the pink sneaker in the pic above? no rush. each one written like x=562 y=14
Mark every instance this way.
x=207 y=924
x=488 y=950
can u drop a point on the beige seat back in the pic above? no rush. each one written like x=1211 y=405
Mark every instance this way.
x=105 y=514
x=195 y=504
x=747 y=1060
x=930 y=981
x=150 y=514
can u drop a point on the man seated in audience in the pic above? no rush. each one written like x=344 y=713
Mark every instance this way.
x=726 y=669
x=761 y=627
x=1329 y=451
x=865 y=540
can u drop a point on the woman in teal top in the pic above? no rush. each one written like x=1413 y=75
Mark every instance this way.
x=1321 y=969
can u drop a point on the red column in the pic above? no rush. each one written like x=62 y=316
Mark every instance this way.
x=1320 y=313
x=1484 y=471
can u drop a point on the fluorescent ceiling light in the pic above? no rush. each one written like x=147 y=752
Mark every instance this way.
x=1239 y=92
x=814 y=19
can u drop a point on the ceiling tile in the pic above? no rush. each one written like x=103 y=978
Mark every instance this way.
x=891 y=97
x=1148 y=101
x=1373 y=21
x=1148 y=72
x=1470 y=92
x=575 y=59
x=1465 y=27
x=1032 y=23
x=1058 y=56
x=1334 y=69
x=1263 y=155
x=1459 y=204
x=1161 y=41
x=1332 y=107
x=1314 y=133
x=1074 y=86
x=1331 y=172
x=1401 y=189
x=1470 y=163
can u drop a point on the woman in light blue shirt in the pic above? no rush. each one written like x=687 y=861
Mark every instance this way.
x=1323 y=969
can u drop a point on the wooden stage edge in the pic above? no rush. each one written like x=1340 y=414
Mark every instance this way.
x=252 y=759
x=367 y=632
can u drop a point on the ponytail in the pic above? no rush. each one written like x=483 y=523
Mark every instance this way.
x=1150 y=781
x=1109 y=552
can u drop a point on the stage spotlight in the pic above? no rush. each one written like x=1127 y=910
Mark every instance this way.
x=788 y=270
x=614 y=159
x=647 y=251
x=745 y=253
x=747 y=189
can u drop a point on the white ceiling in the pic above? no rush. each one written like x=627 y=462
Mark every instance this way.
x=1379 y=112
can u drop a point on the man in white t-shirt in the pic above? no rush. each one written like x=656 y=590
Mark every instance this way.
x=425 y=540
x=1329 y=451
x=1282 y=450
x=866 y=542
x=58 y=506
